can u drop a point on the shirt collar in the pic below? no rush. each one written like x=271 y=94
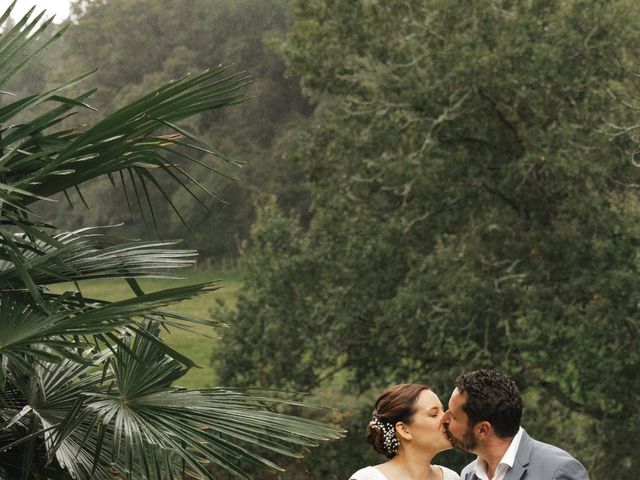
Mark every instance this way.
x=507 y=460
x=509 y=456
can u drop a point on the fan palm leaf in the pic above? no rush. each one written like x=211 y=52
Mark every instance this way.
x=218 y=424
x=86 y=385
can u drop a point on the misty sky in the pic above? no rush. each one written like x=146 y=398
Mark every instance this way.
x=58 y=7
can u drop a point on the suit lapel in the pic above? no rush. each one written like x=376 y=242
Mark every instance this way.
x=523 y=456
x=470 y=476
x=469 y=472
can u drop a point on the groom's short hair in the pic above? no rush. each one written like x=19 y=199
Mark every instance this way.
x=493 y=397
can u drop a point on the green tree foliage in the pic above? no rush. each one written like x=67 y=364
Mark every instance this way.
x=140 y=45
x=86 y=384
x=473 y=205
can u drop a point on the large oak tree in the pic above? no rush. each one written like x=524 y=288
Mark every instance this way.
x=473 y=205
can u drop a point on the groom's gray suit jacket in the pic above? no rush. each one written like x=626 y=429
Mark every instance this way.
x=537 y=461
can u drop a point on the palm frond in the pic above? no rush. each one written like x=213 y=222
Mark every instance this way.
x=127 y=139
x=35 y=258
x=86 y=384
x=18 y=46
x=79 y=255
x=128 y=420
x=25 y=329
x=223 y=426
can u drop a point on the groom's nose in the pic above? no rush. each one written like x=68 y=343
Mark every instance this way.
x=445 y=418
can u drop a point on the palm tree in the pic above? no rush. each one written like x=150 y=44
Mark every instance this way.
x=86 y=384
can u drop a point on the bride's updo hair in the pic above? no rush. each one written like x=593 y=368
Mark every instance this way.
x=395 y=404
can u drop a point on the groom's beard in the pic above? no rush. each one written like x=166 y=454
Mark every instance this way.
x=468 y=441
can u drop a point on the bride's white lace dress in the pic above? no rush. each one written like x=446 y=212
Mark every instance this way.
x=372 y=473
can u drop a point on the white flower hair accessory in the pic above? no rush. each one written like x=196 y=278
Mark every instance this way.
x=389 y=440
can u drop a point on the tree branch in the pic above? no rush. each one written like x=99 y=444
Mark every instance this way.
x=503 y=197
x=591 y=411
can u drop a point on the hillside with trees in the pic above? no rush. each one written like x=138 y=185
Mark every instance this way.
x=141 y=45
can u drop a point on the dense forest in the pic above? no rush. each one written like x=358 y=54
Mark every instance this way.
x=421 y=188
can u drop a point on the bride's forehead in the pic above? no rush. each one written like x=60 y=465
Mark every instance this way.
x=428 y=400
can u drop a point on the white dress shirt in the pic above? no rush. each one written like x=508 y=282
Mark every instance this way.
x=505 y=463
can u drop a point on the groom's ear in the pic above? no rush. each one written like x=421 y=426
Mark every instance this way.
x=403 y=431
x=483 y=430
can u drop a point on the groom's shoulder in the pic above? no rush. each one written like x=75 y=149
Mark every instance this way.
x=548 y=451
x=552 y=458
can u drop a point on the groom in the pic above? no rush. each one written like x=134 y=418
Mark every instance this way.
x=484 y=418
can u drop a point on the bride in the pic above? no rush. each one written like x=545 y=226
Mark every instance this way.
x=406 y=427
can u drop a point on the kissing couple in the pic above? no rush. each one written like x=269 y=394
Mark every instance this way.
x=409 y=426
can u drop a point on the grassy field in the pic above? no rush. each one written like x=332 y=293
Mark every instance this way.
x=197 y=346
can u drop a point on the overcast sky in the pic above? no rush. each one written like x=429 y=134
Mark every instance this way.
x=58 y=7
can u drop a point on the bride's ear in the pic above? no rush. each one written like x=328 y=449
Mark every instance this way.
x=403 y=431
